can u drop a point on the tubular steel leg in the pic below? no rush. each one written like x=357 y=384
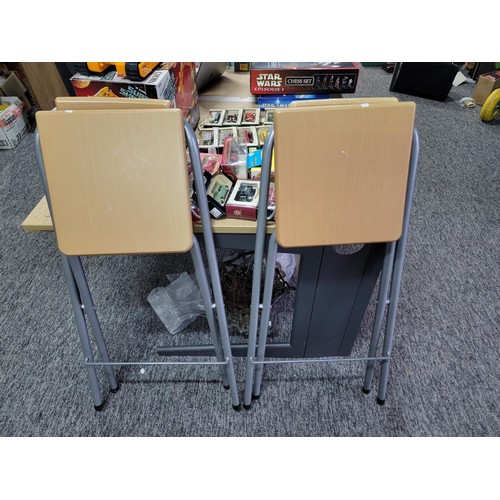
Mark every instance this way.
x=76 y=300
x=257 y=267
x=83 y=287
x=391 y=321
x=207 y=301
x=383 y=293
x=266 y=311
x=398 y=271
x=212 y=261
x=224 y=333
x=83 y=332
x=252 y=329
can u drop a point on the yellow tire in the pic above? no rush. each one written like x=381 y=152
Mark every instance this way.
x=491 y=107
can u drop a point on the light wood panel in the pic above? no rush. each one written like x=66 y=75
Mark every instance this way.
x=39 y=220
x=96 y=103
x=45 y=81
x=117 y=180
x=341 y=102
x=341 y=173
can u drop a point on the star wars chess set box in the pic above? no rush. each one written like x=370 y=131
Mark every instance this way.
x=303 y=78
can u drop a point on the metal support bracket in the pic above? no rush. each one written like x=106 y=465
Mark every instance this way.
x=316 y=360
x=147 y=363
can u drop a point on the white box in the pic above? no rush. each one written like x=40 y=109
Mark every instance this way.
x=14 y=123
x=244 y=200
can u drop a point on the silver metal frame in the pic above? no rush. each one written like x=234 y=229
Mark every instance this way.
x=390 y=282
x=83 y=306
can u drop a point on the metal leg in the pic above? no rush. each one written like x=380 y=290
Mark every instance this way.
x=266 y=311
x=385 y=279
x=76 y=300
x=391 y=321
x=399 y=257
x=83 y=332
x=213 y=268
x=207 y=301
x=260 y=237
x=254 y=319
x=224 y=333
x=252 y=329
x=83 y=287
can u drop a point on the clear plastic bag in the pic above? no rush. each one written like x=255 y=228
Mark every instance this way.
x=179 y=303
x=285 y=262
x=234 y=157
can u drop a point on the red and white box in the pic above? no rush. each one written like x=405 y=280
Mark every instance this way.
x=14 y=123
x=244 y=199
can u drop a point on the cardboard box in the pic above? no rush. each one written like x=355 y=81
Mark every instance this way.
x=158 y=85
x=485 y=85
x=283 y=101
x=218 y=191
x=256 y=171
x=208 y=139
x=11 y=85
x=14 y=123
x=254 y=158
x=476 y=69
x=244 y=199
x=171 y=81
x=262 y=132
x=303 y=78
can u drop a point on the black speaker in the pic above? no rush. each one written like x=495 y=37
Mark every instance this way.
x=430 y=80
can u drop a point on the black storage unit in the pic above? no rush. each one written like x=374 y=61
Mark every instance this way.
x=430 y=80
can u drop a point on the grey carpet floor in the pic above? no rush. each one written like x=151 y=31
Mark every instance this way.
x=445 y=372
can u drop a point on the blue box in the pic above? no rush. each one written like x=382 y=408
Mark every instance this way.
x=283 y=101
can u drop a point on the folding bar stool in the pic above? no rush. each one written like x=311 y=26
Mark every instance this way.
x=116 y=181
x=360 y=162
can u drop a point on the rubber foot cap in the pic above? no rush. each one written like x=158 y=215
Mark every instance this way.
x=237 y=407
x=99 y=407
x=116 y=389
x=365 y=391
x=255 y=396
x=381 y=402
x=225 y=387
x=247 y=407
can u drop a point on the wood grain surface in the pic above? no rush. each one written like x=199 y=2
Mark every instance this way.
x=117 y=180
x=74 y=103
x=341 y=173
